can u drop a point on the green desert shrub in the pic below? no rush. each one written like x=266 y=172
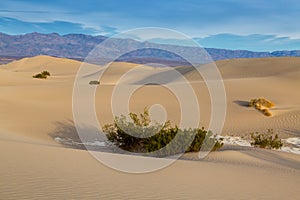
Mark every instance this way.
x=162 y=142
x=266 y=140
x=94 y=82
x=42 y=75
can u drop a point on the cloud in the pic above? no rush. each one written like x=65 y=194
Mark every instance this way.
x=254 y=42
x=193 y=17
x=107 y=31
x=15 y=26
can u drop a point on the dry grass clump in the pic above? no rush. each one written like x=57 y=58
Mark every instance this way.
x=262 y=105
x=261 y=102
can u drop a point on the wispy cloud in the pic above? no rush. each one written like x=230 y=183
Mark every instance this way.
x=8 y=25
x=256 y=42
x=193 y=17
x=253 y=42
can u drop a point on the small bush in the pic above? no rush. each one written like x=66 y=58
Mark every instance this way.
x=94 y=82
x=266 y=140
x=39 y=76
x=163 y=142
x=42 y=75
x=262 y=105
x=261 y=102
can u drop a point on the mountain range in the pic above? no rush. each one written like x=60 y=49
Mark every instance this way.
x=78 y=46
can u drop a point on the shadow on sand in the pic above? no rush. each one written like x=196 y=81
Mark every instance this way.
x=67 y=135
x=242 y=103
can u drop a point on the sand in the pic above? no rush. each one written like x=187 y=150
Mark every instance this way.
x=34 y=112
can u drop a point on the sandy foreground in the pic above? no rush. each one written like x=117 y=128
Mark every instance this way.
x=34 y=112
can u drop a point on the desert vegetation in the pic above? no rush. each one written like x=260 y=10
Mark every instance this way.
x=163 y=142
x=262 y=105
x=42 y=75
x=94 y=82
x=266 y=140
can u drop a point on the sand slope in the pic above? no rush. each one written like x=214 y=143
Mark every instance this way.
x=55 y=173
x=34 y=111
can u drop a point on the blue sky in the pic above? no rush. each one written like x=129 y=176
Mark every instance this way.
x=233 y=24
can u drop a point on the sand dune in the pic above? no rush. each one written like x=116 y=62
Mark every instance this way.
x=41 y=172
x=276 y=79
x=33 y=112
x=58 y=66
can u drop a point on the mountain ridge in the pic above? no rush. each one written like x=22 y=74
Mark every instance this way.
x=78 y=46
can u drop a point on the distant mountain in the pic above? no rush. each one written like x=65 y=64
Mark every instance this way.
x=78 y=46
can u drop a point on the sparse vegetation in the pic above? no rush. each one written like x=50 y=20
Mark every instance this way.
x=42 y=75
x=162 y=142
x=262 y=105
x=94 y=82
x=262 y=102
x=266 y=140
